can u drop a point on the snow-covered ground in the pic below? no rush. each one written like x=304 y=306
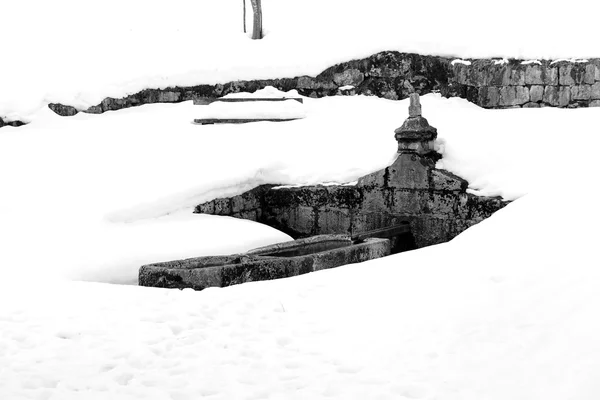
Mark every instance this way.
x=69 y=52
x=506 y=310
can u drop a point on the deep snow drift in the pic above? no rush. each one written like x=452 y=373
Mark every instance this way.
x=68 y=52
x=508 y=309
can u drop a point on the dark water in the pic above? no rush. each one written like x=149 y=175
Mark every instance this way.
x=307 y=249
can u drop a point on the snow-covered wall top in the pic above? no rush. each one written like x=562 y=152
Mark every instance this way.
x=70 y=52
x=392 y=75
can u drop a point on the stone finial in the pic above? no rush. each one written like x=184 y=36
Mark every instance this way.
x=414 y=109
x=415 y=135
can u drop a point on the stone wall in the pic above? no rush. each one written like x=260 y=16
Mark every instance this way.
x=393 y=75
x=433 y=201
x=492 y=84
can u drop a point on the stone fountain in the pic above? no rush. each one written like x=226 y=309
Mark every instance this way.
x=408 y=205
x=434 y=202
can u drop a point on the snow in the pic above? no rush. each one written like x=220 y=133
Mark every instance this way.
x=459 y=61
x=68 y=52
x=571 y=60
x=463 y=320
x=528 y=62
x=268 y=92
x=288 y=109
x=506 y=310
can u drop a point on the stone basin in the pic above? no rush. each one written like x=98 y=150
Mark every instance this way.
x=280 y=260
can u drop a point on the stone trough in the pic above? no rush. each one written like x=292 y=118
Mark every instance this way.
x=280 y=260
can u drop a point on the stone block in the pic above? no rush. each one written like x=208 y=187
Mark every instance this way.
x=489 y=96
x=517 y=76
x=595 y=103
x=536 y=93
x=245 y=202
x=334 y=220
x=373 y=179
x=508 y=96
x=564 y=73
x=306 y=82
x=551 y=95
x=346 y=197
x=168 y=97
x=300 y=219
x=522 y=94
x=595 y=91
x=581 y=92
x=446 y=181
x=479 y=75
x=206 y=208
x=596 y=63
x=499 y=75
x=534 y=74
x=349 y=77
x=564 y=96
x=441 y=204
x=222 y=206
x=251 y=215
x=573 y=73
x=461 y=73
x=589 y=76
x=407 y=202
x=409 y=171
x=550 y=75
x=531 y=105
x=513 y=95
x=376 y=199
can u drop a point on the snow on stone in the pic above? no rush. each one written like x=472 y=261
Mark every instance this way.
x=501 y=61
x=346 y=87
x=459 y=61
x=268 y=92
x=288 y=109
x=528 y=62
x=571 y=60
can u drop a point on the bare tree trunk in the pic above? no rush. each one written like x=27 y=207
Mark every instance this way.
x=257 y=28
x=244 y=4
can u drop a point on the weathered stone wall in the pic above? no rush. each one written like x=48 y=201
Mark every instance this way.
x=393 y=75
x=513 y=84
x=433 y=201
